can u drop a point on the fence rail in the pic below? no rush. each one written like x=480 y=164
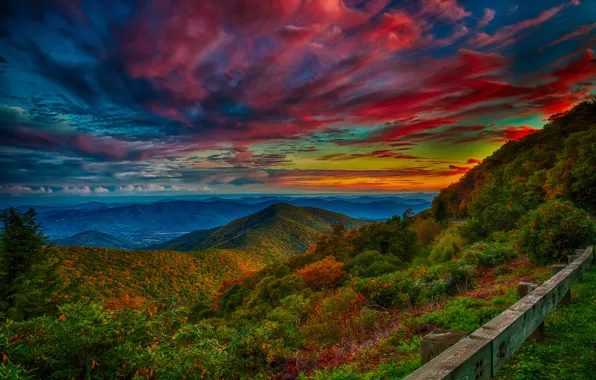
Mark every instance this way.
x=481 y=354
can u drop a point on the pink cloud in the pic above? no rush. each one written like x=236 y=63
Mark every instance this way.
x=581 y=31
x=509 y=34
x=445 y=9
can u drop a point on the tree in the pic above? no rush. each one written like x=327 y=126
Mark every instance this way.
x=554 y=230
x=28 y=274
x=322 y=274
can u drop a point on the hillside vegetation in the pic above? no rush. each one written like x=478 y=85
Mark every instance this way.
x=271 y=234
x=556 y=162
x=133 y=278
x=355 y=306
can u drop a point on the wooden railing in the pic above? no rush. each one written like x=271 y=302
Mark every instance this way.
x=481 y=354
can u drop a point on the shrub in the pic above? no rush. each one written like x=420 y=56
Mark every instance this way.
x=488 y=254
x=341 y=316
x=445 y=246
x=322 y=274
x=554 y=230
x=427 y=230
x=372 y=263
x=393 y=289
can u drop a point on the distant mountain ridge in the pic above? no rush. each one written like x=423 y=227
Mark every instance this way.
x=94 y=239
x=277 y=231
x=153 y=223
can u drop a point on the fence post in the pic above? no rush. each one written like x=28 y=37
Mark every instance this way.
x=523 y=289
x=438 y=341
x=572 y=258
x=566 y=300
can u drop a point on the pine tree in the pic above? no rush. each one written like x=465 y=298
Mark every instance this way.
x=28 y=273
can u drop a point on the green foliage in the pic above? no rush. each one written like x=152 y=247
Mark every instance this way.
x=554 y=230
x=233 y=298
x=372 y=264
x=270 y=235
x=445 y=246
x=573 y=175
x=488 y=254
x=568 y=352
x=556 y=161
x=392 y=237
x=28 y=280
x=464 y=313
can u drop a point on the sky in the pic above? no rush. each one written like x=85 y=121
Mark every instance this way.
x=106 y=98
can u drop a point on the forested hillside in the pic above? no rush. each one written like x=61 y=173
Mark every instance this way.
x=272 y=234
x=555 y=162
x=136 y=277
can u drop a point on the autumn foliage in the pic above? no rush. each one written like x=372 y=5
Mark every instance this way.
x=322 y=274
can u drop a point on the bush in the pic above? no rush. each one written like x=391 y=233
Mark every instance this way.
x=554 y=230
x=389 y=290
x=488 y=254
x=427 y=230
x=445 y=246
x=341 y=316
x=372 y=263
x=322 y=274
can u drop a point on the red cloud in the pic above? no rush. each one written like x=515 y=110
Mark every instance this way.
x=353 y=76
x=515 y=133
x=473 y=161
x=396 y=30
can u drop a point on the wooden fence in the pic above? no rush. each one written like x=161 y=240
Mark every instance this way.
x=481 y=354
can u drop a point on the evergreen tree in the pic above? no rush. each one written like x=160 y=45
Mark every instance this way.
x=28 y=274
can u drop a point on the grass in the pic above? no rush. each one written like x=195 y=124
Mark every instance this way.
x=569 y=351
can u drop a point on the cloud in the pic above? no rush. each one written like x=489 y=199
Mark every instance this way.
x=473 y=161
x=101 y=190
x=385 y=153
x=489 y=15
x=247 y=88
x=23 y=190
x=581 y=31
x=507 y=35
x=77 y=190
x=445 y=9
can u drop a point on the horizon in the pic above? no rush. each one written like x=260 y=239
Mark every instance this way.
x=143 y=100
x=123 y=199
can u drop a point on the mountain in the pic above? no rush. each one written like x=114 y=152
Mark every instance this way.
x=94 y=239
x=89 y=206
x=154 y=223
x=555 y=162
x=275 y=232
x=148 y=223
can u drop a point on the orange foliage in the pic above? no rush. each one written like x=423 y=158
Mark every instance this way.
x=322 y=274
x=125 y=301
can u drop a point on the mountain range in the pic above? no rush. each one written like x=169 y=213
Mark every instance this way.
x=145 y=224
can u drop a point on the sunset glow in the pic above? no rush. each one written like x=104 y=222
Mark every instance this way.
x=255 y=96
